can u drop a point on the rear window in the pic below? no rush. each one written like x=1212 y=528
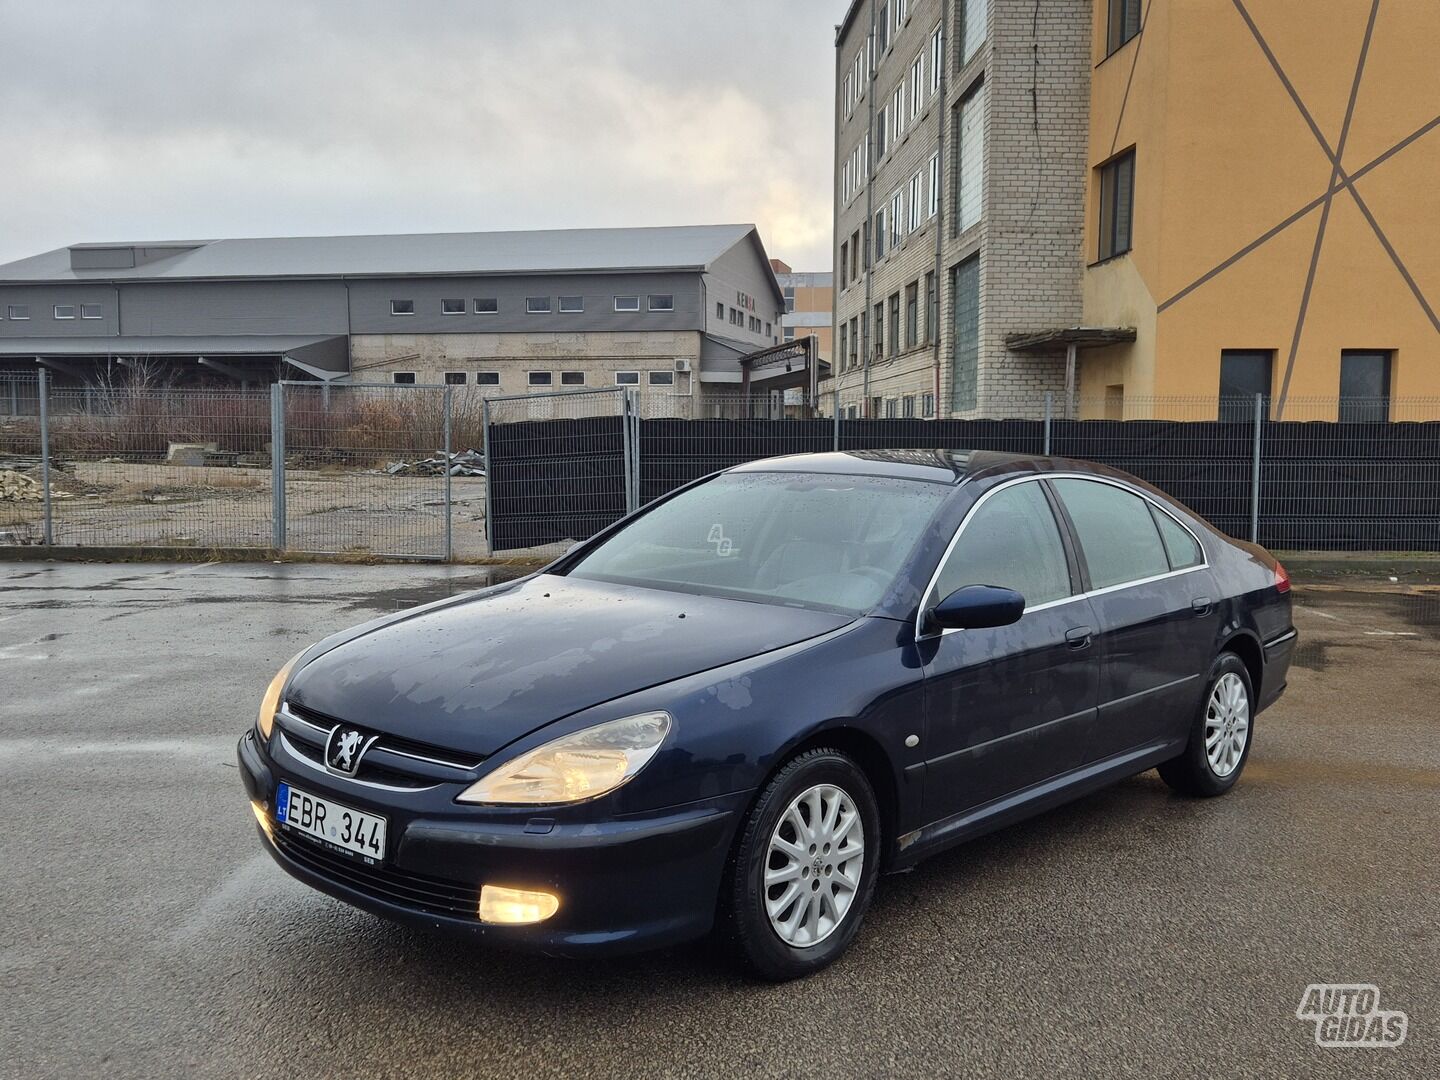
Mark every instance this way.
x=1184 y=552
x=833 y=542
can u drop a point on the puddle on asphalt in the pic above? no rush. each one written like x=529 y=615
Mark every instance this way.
x=1366 y=612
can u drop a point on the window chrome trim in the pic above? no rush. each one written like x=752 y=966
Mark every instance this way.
x=1035 y=478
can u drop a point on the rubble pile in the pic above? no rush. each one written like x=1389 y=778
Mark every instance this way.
x=17 y=487
x=461 y=463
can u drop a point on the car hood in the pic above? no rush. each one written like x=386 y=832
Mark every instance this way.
x=480 y=672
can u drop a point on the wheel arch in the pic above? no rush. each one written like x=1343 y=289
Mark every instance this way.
x=1247 y=647
x=868 y=753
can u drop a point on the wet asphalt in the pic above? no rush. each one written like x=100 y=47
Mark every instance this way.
x=1134 y=933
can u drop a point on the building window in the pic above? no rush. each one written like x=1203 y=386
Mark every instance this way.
x=64 y=311
x=790 y=336
x=897 y=217
x=1117 y=204
x=454 y=378
x=912 y=314
x=844 y=340
x=662 y=378
x=931 y=314
x=937 y=57
x=965 y=339
x=917 y=85
x=91 y=311
x=973 y=28
x=662 y=302
x=927 y=405
x=719 y=309
x=854 y=343
x=627 y=378
x=452 y=307
x=769 y=330
x=916 y=204
x=1124 y=23
x=403 y=378
x=879 y=349
x=487 y=378
x=844 y=266
x=880 y=134
x=537 y=305
x=875 y=404
x=894 y=323
x=907 y=406
x=934 y=205
x=902 y=12
x=487 y=305
x=631 y=303
x=572 y=303
x=897 y=110
x=540 y=378
x=892 y=409
x=969 y=169
x=400 y=307
x=882 y=28
x=854 y=255
x=572 y=378
x=1364 y=385
x=1243 y=374
x=789 y=291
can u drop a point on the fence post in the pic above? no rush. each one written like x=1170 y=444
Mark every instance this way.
x=277 y=464
x=1049 y=411
x=48 y=525
x=489 y=477
x=628 y=454
x=1255 y=470
x=836 y=395
x=449 y=536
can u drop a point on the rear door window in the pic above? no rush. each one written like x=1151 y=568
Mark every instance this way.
x=1116 y=532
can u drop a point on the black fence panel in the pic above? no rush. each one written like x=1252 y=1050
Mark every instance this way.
x=553 y=481
x=1206 y=464
x=1331 y=486
x=1011 y=436
x=674 y=452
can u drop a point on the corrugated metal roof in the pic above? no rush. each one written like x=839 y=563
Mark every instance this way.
x=506 y=252
x=214 y=345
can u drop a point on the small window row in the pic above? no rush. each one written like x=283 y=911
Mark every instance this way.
x=539 y=378
x=536 y=305
x=20 y=312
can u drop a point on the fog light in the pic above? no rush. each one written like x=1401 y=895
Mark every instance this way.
x=516 y=907
x=263 y=818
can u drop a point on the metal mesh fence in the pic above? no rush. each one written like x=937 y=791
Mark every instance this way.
x=136 y=467
x=436 y=471
x=366 y=470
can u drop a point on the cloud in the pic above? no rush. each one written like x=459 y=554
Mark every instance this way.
x=159 y=119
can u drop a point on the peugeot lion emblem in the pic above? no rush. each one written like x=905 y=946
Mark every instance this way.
x=344 y=749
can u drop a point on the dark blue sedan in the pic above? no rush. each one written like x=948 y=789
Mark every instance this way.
x=739 y=706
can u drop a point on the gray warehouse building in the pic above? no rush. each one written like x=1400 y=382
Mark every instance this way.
x=690 y=310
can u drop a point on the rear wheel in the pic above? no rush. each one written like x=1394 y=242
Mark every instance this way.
x=1219 y=742
x=805 y=866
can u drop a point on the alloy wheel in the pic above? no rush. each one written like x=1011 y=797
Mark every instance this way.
x=1227 y=724
x=814 y=865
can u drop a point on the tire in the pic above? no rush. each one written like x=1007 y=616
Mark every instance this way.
x=1226 y=710
x=829 y=779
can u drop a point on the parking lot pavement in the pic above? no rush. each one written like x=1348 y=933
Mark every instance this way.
x=1132 y=933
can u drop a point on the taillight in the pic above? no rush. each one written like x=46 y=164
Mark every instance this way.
x=1282 y=579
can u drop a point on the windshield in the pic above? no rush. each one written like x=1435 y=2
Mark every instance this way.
x=813 y=540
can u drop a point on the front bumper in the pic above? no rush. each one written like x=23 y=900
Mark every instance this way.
x=625 y=883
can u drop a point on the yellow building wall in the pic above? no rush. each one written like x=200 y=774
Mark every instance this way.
x=1223 y=157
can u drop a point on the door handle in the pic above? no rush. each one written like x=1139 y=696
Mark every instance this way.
x=1078 y=637
x=1200 y=605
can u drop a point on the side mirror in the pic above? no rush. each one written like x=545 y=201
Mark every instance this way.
x=975 y=607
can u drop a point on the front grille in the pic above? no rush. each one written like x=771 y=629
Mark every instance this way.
x=391 y=760
x=408 y=890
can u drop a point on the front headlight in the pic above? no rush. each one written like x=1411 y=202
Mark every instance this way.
x=575 y=767
x=271 y=701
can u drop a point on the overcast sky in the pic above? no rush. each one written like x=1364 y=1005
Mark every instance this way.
x=183 y=119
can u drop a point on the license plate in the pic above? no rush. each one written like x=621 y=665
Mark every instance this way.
x=337 y=825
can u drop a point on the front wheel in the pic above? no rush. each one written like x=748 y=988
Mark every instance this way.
x=1219 y=742
x=805 y=866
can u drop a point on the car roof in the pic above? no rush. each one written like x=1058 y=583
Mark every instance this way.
x=935 y=466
